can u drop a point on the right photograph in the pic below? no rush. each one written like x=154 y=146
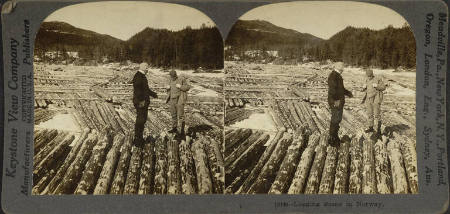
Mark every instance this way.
x=320 y=99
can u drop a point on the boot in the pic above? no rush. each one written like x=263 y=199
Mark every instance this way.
x=182 y=131
x=138 y=142
x=370 y=129
x=173 y=130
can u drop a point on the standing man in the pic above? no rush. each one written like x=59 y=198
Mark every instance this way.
x=141 y=101
x=374 y=89
x=336 y=101
x=177 y=98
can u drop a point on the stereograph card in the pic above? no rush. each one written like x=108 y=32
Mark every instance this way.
x=224 y=107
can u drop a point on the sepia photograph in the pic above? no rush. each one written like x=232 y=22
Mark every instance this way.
x=128 y=100
x=320 y=99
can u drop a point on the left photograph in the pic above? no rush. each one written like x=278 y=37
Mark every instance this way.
x=128 y=100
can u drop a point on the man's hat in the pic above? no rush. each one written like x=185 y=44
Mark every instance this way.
x=369 y=72
x=339 y=67
x=143 y=66
x=172 y=73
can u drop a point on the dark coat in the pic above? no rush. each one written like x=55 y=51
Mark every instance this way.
x=141 y=91
x=336 y=90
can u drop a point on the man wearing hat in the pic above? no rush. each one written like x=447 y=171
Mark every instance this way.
x=141 y=101
x=178 y=89
x=336 y=101
x=374 y=89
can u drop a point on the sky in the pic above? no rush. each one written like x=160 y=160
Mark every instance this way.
x=124 y=19
x=324 y=19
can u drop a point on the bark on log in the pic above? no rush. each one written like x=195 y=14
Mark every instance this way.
x=399 y=181
x=301 y=175
x=112 y=158
x=132 y=181
x=297 y=117
x=94 y=165
x=48 y=148
x=74 y=172
x=408 y=149
x=120 y=174
x=173 y=171
x=268 y=173
x=187 y=168
x=67 y=162
x=355 y=179
x=204 y=183
x=342 y=170
x=289 y=164
x=216 y=168
x=246 y=161
x=240 y=148
x=44 y=139
x=327 y=181
x=312 y=115
x=261 y=162
x=383 y=177
x=236 y=140
x=368 y=178
x=312 y=186
x=147 y=178
x=161 y=165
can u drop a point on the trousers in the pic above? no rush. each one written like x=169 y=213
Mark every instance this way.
x=373 y=107
x=141 y=118
x=336 y=117
x=177 y=112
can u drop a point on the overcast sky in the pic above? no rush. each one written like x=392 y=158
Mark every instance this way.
x=124 y=19
x=324 y=19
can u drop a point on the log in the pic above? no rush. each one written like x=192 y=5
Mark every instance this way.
x=67 y=162
x=297 y=117
x=48 y=148
x=217 y=169
x=173 y=171
x=187 y=168
x=289 y=164
x=247 y=160
x=310 y=116
x=204 y=183
x=312 y=186
x=234 y=141
x=132 y=181
x=94 y=165
x=261 y=162
x=383 y=177
x=74 y=172
x=327 y=182
x=355 y=178
x=408 y=150
x=231 y=157
x=301 y=174
x=368 y=173
x=46 y=137
x=147 y=182
x=161 y=165
x=112 y=158
x=342 y=170
x=399 y=181
x=268 y=173
x=120 y=174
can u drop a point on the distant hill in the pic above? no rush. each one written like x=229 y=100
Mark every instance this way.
x=253 y=40
x=262 y=35
x=187 y=48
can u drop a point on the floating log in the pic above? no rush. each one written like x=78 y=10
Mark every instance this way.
x=262 y=161
x=120 y=174
x=204 y=183
x=301 y=175
x=297 y=119
x=268 y=173
x=173 y=171
x=234 y=140
x=46 y=137
x=67 y=161
x=310 y=116
x=383 y=177
x=161 y=165
x=132 y=181
x=329 y=170
x=94 y=165
x=112 y=158
x=230 y=158
x=312 y=186
x=368 y=173
x=342 y=169
x=217 y=169
x=187 y=168
x=399 y=181
x=48 y=148
x=147 y=182
x=289 y=164
x=74 y=172
x=245 y=161
x=356 y=162
x=408 y=149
